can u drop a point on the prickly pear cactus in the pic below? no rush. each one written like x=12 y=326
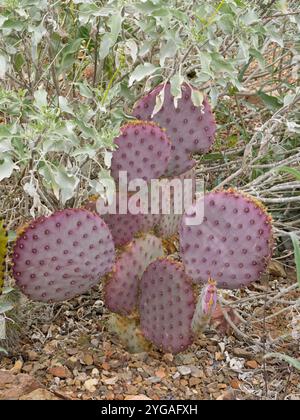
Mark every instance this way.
x=143 y=151
x=129 y=333
x=3 y=251
x=121 y=291
x=205 y=307
x=60 y=256
x=190 y=128
x=167 y=305
x=234 y=243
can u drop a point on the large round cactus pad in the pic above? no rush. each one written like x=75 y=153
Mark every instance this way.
x=60 y=256
x=234 y=243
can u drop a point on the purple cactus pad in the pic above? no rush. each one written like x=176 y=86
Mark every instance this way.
x=167 y=305
x=63 y=255
x=121 y=291
x=234 y=243
x=143 y=151
x=190 y=128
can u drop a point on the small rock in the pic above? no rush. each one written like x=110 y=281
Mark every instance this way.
x=71 y=351
x=39 y=394
x=251 y=364
x=161 y=373
x=194 y=381
x=95 y=343
x=61 y=372
x=142 y=357
x=95 y=373
x=90 y=385
x=82 y=376
x=140 y=397
x=276 y=269
x=168 y=358
x=12 y=387
x=185 y=359
x=27 y=368
x=32 y=355
x=153 y=380
x=239 y=352
x=17 y=367
x=87 y=359
x=219 y=356
x=72 y=362
x=196 y=372
x=226 y=396
x=235 y=384
x=111 y=381
x=184 y=370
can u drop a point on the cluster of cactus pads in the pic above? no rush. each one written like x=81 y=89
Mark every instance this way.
x=153 y=298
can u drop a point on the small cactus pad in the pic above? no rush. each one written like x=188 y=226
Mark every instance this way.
x=3 y=251
x=190 y=128
x=129 y=333
x=167 y=305
x=234 y=243
x=169 y=223
x=143 y=151
x=60 y=256
x=124 y=227
x=121 y=291
x=205 y=307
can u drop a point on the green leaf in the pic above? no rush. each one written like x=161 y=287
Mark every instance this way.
x=176 y=82
x=19 y=61
x=140 y=72
x=293 y=362
x=160 y=99
x=68 y=53
x=296 y=244
x=259 y=57
x=250 y=17
x=67 y=183
x=17 y=25
x=64 y=105
x=2 y=350
x=6 y=307
x=6 y=167
x=293 y=127
x=3 y=66
x=110 y=38
x=272 y=102
x=197 y=97
x=289 y=170
x=167 y=50
x=40 y=98
x=85 y=90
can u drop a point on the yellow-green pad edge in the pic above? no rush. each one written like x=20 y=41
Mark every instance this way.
x=3 y=251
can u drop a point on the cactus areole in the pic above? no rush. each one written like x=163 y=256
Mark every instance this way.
x=63 y=255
